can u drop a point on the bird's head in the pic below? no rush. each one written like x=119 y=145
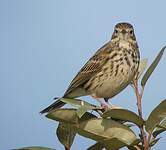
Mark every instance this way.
x=123 y=32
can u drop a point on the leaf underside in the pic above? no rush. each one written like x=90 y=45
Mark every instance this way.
x=156 y=117
x=127 y=116
x=152 y=67
x=66 y=134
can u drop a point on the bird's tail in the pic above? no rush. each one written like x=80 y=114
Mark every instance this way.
x=57 y=104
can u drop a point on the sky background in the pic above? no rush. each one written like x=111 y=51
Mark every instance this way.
x=44 y=43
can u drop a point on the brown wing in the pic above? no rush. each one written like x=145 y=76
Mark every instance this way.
x=92 y=67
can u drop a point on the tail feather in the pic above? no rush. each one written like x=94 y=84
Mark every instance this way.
x=57 y=104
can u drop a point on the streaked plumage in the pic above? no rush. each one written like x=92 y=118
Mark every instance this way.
x=109 y=71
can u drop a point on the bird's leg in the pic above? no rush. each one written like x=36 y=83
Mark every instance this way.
x=111 y=106
x=104 y=104
x=107 y=105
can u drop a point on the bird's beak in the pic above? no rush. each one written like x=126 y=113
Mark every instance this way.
x=123 y=34
x=123 y=31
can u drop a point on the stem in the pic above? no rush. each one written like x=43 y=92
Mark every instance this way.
x=139 y=98
x=67 y=148
x=139 y=106
x=149 y=138
x=137 y=148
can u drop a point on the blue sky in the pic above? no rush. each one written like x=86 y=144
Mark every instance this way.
x=44 y=43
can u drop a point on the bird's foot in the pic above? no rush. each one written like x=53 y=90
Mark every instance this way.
x=105 y=106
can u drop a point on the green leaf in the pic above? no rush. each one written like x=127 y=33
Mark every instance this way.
x=124 y=114
x=156 y=116
x=152 y=67
x=136 y=147
x=67 y=115
x=161 y=128
x=113 y=144
x=34 y=148
x=142 y=67
x=96 y=146
x=77 y=102
x=154 y=141
x=100 y=130
x=66 y=134
x=82 y=110
x=82 y=105
x=86 y=117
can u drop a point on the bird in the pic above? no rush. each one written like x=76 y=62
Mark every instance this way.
x=110 y=70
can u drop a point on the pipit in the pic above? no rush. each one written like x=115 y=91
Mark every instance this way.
x=110 y=70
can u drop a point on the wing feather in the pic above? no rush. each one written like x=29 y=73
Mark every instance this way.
x=93 y=66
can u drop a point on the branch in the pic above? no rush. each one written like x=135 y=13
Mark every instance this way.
x=67 y=148
x=139 y=106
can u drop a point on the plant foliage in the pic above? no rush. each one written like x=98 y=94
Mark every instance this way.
x=111 y=129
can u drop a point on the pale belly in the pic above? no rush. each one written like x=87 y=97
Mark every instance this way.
x=110 y=84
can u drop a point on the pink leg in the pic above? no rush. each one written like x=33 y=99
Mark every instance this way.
x=103 y=104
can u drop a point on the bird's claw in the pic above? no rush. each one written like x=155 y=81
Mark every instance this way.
x=107 y=106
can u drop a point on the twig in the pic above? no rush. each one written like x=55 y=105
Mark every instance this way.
x=137 y=147
x=149 y=137
x=139 y=106
x=67 y=148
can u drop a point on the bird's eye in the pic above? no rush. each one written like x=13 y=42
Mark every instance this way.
x=131 y=32
x=116 y=31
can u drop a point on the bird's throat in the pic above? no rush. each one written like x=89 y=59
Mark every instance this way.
x=124 y=44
